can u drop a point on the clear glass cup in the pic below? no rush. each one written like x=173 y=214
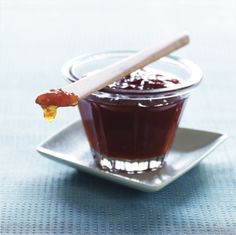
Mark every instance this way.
x=132 y=130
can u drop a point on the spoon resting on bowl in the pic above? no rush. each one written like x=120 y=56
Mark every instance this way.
x=72 y=93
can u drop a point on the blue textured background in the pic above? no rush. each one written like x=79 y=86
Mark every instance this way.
x=38 y=196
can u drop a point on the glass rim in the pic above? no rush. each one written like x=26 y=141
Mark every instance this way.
x=194 y=78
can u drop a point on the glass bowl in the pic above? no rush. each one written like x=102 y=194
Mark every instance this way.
x=132 y=130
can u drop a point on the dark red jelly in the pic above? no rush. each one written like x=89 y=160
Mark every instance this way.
x=133 y=126
x=145 y=79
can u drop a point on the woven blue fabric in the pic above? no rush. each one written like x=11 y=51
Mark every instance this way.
x=39 y=196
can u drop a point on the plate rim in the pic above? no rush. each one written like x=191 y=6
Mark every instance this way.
x=132 y=183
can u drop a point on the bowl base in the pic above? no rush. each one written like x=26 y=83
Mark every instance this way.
x=127 y=166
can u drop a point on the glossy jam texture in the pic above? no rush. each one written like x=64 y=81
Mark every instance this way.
x=126 y=129
x=53 y=99
x=146 y=79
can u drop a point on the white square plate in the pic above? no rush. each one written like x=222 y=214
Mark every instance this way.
x=70 y=146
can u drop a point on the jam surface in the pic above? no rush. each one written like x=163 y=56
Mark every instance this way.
x=146 y=79
x=53 y=99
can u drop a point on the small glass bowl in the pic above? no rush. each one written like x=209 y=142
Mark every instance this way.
x=132 y=130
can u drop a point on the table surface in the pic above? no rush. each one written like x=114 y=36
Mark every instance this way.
x=39 y=196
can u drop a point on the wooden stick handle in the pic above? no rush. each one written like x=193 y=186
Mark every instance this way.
x=94 y=82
